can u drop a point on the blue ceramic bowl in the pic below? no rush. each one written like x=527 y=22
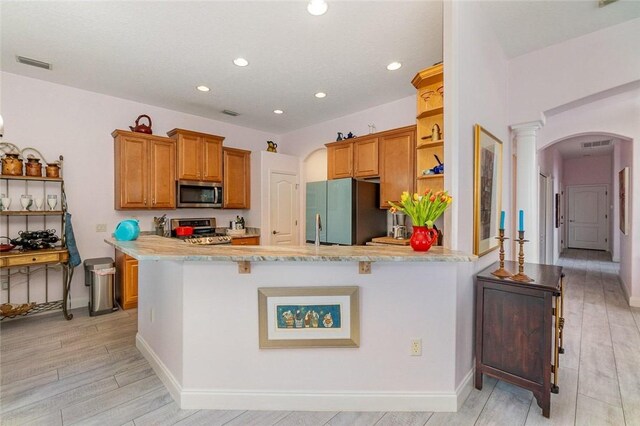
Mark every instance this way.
x=127 y=230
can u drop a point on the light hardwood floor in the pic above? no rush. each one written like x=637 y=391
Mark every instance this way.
x=87 y=371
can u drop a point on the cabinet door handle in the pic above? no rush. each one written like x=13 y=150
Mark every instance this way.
x=145 y=201
x=153 y=201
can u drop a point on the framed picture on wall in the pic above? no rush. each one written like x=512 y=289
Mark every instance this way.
x=623 y=196
x=308 y=317
x=558 y=210
x=487 y=194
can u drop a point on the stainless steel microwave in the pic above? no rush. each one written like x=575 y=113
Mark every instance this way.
x=198 y=194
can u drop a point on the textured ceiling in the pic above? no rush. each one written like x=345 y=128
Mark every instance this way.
x=525 y=26
x=158 y=52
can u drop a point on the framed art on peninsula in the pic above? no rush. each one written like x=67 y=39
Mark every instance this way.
x=487 y=193
x=308 y=317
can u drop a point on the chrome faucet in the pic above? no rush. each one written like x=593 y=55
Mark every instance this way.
x=318 y=229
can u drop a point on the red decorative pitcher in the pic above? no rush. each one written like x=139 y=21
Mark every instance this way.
x=422 y=238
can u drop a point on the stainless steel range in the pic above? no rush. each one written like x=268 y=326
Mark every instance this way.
x=204 y=231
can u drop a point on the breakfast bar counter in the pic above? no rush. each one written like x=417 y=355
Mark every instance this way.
x=201 y=328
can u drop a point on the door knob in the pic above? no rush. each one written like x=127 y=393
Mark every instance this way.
x=275 y=232
x=570 y=220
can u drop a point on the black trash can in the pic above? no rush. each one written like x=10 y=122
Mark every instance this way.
x=99 y=276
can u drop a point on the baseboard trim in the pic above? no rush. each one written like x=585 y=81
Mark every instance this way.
x=223 y=399
x=318 y=401
x=170 y=382
x=465 y=387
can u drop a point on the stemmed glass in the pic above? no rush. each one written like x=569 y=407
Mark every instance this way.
x=52 y=201
x=6 y=202
x=26 y=201
x=39 y=202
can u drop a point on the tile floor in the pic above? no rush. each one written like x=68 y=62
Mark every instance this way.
x=88 y=371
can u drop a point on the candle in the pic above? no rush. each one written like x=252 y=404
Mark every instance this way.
x=521 y=221
x=502 y=219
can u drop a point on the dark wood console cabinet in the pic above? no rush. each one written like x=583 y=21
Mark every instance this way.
x=519 y=329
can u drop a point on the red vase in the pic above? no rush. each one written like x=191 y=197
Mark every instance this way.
x=422 y=238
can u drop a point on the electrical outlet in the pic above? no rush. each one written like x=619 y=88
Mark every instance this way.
x=101 y=227
x=416 y=347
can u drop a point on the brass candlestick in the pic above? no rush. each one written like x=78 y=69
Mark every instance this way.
x=521 y=276
x=501 y=272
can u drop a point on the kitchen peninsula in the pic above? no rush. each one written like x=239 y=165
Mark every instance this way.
x=198 y=326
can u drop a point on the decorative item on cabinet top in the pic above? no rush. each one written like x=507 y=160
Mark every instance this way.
x=141 y=127
x=272 y=146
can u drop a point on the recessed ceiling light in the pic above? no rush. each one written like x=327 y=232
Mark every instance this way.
x=394 y=66
x=203 y=88
x=320 y=95
x=278 y=111
x=241 y=62
x=317 y=7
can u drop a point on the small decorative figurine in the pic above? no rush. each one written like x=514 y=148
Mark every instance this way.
x=350 y=135
x=142 y=128
x=372 y=128
x=439 y=169
x=436 y=134
x=272 y=146
x=340 y=137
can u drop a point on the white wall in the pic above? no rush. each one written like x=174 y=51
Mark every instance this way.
x=58 y=119
x=385 y=117
x=573 y=70
x=616 y=116
x=476 y=88
x=551 y=165
x=623 y=157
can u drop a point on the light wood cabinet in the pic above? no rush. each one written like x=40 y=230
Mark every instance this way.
x=340 y=160
x=397 y=159
x=237 y=178
x=356 y=158
x=199 y=155
x=144 y=171
x=126 y=281
x=365 y=157
x=430 y=117
x=245 y=241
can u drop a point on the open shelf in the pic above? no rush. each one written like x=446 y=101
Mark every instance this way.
x=430 y=112
x=421 y=177
x=32 y=213
x=34 y=178
x=430 y=144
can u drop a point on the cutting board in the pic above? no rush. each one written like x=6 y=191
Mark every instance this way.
x=391 y=240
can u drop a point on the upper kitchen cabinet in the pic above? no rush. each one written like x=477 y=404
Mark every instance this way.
x=430 y=127
x=237 y=178
x=144 y=171
x=356 y=158
x=397 y=160
x=199 y=155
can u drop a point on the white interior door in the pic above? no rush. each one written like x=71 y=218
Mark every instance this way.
x=542 y=217
x=283 y=194
x=588 y=220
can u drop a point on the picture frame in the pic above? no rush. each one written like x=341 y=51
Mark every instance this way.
x=623 y=199
x=487 y=202
x=558 y=210
x=308 y=317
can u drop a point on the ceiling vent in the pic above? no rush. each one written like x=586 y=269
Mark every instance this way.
x=33 y=62
x=231 y=113
x=596 y=144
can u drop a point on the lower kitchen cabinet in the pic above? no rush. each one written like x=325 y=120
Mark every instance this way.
x=126 y=281
x=245 y=241
x=236 y=169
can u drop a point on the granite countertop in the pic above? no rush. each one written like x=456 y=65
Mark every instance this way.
x=153 y=247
